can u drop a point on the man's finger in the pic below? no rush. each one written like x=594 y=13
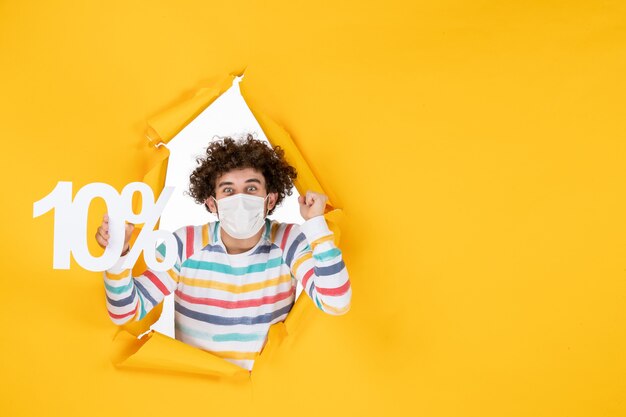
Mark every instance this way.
x=101 y=241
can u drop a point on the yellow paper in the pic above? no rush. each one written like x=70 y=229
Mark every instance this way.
x=476 y=149
x=157 y=352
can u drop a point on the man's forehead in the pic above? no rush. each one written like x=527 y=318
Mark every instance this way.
x=241 y=176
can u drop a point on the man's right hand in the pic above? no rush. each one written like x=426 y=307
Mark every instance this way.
x=102 y=235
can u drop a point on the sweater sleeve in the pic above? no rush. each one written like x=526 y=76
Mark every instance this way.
x=317 y=263
x=131 y=298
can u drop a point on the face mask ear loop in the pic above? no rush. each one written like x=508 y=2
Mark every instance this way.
x=216 y=213
x=265 y=213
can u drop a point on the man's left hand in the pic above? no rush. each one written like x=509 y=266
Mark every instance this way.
x=312 y=204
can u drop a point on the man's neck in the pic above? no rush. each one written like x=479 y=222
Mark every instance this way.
x=236 y=246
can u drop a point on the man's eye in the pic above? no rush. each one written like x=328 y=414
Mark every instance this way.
x=228 y=190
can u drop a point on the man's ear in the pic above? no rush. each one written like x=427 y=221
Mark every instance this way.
x=210 y=204
x=271 y=200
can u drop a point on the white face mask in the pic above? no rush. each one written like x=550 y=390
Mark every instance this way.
x=241 y=215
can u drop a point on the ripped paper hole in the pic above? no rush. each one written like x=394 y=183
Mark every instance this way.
x=157 y=352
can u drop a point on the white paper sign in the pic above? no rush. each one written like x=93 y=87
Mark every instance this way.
x=70 y=225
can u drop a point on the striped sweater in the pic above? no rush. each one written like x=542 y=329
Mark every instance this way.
x=226 y=303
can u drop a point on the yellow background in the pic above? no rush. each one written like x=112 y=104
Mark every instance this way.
x=476 y=148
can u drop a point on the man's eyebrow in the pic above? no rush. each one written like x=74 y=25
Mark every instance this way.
x=224 y=183
x=253 y=180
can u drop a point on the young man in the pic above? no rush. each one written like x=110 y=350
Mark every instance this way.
x=236 y=277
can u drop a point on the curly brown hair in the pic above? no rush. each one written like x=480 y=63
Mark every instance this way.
x=227 y=154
